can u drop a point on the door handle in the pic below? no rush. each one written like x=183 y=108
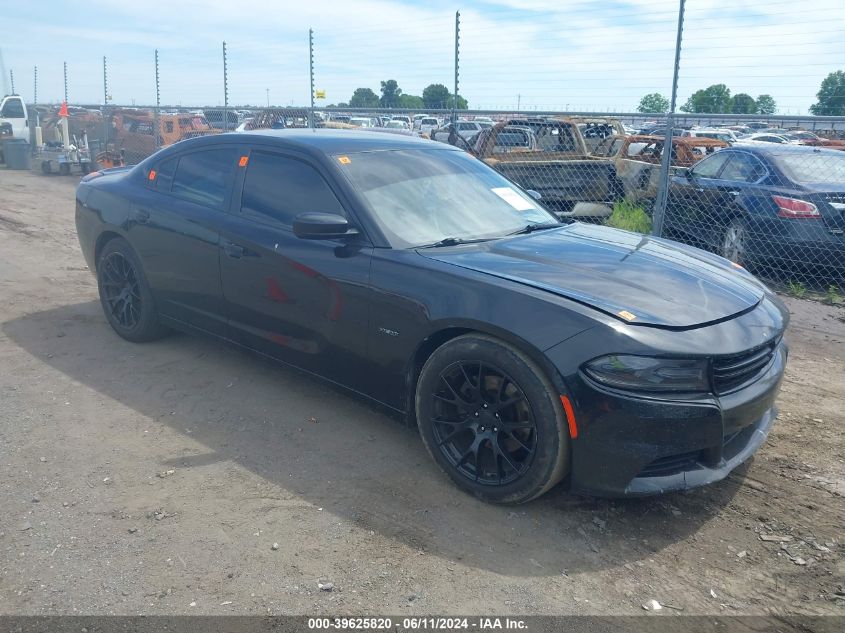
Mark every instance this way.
x=233 y=250
x=700 y=189
x=733 y=193
x=141 y=216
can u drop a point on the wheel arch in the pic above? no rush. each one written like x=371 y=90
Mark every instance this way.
x=447 y=332
x=104 y=238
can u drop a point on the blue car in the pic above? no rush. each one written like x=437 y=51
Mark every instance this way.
x=774 y=207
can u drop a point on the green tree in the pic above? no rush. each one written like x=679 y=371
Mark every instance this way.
x=411 y=102
x=364 y=98
x=743 y=104
x=713 y=99
x=390 y=93
x=831 y=96
x=462 y=103
x=653 y=102
x=766 y=104
x=436 y=96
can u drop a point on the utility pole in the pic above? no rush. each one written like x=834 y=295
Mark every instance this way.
x=457 y=64
x=268 y=97
x=663 y=183
x=311 y=72
x=518 y=101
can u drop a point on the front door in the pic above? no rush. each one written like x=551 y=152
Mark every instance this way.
x=305 y=302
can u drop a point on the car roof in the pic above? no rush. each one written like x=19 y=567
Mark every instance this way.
x=777 y=149
x=326 y=141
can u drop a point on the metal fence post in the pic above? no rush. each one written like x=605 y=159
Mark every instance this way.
x=105 y=142
x=12 y=79
x=65 y=65
x=225 y=91
x=311 y=71
x=666 y=160
x=35 y=86
x=158 y=103
x=457 y=57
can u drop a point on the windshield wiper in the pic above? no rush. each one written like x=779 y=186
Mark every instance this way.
x=455 y=241
x=530 y=228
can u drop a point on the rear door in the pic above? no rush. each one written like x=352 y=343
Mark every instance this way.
x=305 y=302
x=173 y=227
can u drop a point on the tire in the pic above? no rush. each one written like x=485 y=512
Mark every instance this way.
x=85 y=168
x=525 y=453
x=64 y=169
x=125 y=294
x=46 y=167
x=733 y=242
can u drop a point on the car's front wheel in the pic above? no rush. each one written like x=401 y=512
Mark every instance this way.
x=125 y=294
x=733 y=241
x=492 y=420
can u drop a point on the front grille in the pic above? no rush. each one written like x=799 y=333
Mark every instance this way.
x=731 y=372
x=671 y=465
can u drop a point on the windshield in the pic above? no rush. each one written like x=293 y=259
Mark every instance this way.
x=813 y=167
x=420 y=197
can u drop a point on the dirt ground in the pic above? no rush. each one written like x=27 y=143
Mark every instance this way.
x=156 y=479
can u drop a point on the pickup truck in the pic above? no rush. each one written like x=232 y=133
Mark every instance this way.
x=572 y=182
x=14 y=122
x=638 y=158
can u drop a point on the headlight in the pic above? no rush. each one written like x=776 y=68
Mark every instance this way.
x=640 y=373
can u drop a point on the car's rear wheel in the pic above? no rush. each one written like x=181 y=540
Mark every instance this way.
x=125 y=294
x=492 y=420
x=734 y=241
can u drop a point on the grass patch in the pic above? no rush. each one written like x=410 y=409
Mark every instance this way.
x=797 y=289
x=832 y=296
x=629 y=217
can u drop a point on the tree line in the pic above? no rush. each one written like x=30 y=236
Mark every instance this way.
x=434 y=97
x=717 y=99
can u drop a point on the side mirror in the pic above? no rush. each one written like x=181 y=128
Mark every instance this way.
x=322 y=226
x=534 y=194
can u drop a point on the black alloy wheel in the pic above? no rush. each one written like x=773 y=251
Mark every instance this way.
x=125 y=295
x=122 y=292
x=483 y=423
x=492 y=420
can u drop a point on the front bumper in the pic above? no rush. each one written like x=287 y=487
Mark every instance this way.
x=629 y=445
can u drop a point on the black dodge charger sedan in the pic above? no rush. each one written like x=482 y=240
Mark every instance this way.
x=527 y=352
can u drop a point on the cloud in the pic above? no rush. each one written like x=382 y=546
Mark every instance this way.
x=587 y=54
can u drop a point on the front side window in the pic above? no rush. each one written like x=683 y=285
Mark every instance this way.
x=203 y=177
x=742 y=168
x=709 y=167
x=278 y=188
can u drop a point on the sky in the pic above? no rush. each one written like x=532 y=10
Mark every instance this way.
x=581 y=55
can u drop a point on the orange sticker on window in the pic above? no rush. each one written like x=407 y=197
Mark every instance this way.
x=343 y=160
x=243 y=161
x=628 y=316
x=152 y=174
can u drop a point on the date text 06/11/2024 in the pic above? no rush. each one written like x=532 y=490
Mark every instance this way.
x=415 y=624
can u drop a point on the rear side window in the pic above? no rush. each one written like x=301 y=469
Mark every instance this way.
x=13 y=109
x=278 y=188
x=203 y=177
x=164 y=174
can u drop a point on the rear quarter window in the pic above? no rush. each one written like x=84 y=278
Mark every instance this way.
x=13 y=109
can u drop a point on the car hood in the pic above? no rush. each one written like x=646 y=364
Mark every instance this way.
x=639 y=279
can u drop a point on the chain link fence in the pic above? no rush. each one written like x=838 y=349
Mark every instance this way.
x=762 y=188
